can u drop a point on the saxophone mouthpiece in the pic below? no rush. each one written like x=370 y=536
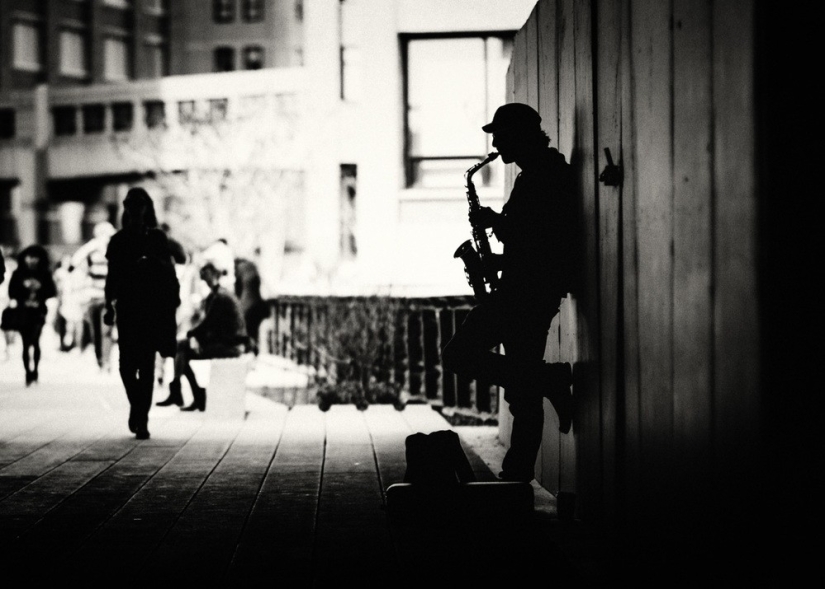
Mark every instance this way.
x=492 y=155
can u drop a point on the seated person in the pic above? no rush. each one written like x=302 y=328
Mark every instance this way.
x=220 y=334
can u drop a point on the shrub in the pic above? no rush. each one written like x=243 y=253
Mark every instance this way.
x=355 y=342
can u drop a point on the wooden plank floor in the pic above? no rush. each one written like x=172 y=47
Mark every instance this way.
x=293 y=496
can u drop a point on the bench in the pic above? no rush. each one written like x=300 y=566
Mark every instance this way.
x=225 y=382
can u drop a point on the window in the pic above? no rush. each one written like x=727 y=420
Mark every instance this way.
x=347 y=244
x=156 y=60
x=8 y=222
x=94 y=118
x=73 y=60
x=65 y=122
x=253 y=57
x=350 y=54
x=118 y=3
x=154 y=112
x=218 y=108
x=250 y=106
x=7 y=123
x=252 y=10
x=27 y=47
x=453 y=87
x=224 y=59
x=123 y=116
x=223 y=11
x=115 y=59
x=186 y=111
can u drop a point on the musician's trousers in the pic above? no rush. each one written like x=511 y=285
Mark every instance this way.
x=522 y=331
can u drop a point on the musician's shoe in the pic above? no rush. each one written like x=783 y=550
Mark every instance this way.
x=142 y=434
x=557 y=378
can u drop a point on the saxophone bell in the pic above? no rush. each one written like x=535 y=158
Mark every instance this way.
x=476 y=253
x=473 y=267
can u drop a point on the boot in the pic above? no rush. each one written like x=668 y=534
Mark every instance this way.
x=175 y=397
x=557 y=379
x=199 y=402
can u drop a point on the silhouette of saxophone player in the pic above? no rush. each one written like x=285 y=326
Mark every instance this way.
x=536 y=228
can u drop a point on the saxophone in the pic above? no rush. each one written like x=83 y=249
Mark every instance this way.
x=478 y=258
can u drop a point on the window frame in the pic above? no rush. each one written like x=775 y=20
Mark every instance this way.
x=127 y=58
x=411 y=160
x=224 y=11
x=93 y=116
x=119 y=108
x=150 y=110
x=70 y=128
x=247 y=50
x=253 y=15
x=38 y=50
x=84 y=56
x=8 y=123
x=230 y=51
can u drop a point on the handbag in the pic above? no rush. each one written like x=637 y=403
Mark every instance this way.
x=12 y=319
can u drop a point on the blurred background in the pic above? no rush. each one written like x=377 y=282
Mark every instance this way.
x=326 y=140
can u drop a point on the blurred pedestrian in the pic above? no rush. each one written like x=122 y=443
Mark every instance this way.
x=177 y=250
x=90 y=260
x=221 y=256
x=180 y=260
x=69 y=323
x=221 y=334
x=30 y=286
x=9 y=265
x=253 y=306
x=142 y=293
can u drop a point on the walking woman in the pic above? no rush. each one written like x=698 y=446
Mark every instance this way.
x=31 y=285
x=142 y=293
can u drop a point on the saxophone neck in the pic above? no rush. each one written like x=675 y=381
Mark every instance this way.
x=468 y=175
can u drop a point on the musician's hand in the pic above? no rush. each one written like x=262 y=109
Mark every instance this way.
x=496 y=261
x=483 y=217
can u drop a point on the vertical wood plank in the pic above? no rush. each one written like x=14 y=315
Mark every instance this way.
x=583 y=344
x=653 y=117
x=548 y=70
x=566 y=145
x=692 y=267
x=629 y=471
x=547 y=469
x=531 y=41
x=736 y=390
x=609 y=96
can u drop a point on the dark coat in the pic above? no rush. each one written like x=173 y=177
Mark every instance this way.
x=538 y=230
x=32 y=287
x=144 y=287
x=222 y=324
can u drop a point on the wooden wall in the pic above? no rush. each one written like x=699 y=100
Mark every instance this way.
x=664 y=326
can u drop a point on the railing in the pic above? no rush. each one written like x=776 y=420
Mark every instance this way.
x=300 y=328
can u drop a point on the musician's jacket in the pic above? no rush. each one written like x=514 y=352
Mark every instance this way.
x=537 y=230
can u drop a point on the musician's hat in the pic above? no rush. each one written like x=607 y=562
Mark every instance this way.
x=513 y=115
